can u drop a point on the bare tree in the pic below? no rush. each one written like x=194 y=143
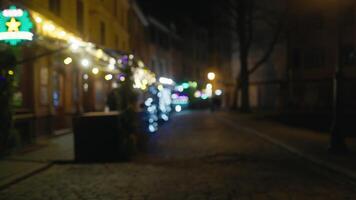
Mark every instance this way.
x=254 y=25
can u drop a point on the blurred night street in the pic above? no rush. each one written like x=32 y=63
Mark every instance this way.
x=199 y=155
x=177 y=99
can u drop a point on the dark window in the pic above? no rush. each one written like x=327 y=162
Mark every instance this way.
x=55 y=6
x=102 y=33
x=296 y=58
x=314 y=58
x=348 y=55
x=312 y=22
x=80 y=15
x=348 y=17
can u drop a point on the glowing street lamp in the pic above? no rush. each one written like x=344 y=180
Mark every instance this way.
x=211 y=76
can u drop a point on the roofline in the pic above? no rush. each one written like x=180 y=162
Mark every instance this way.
x=138 y=11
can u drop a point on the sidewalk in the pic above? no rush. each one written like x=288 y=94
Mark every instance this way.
x=21 y=165
x=311 y=145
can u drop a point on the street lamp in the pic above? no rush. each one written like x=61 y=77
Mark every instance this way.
x=211 y=76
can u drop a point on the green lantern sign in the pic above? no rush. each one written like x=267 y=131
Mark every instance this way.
x=15 y=26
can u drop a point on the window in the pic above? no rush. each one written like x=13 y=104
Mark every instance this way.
x=296 y=58
x=314 y=58
x=102 y=33
x=347 y=55
x=314 y=21
x=80 y=15
x=55 y=6
x=348 y=17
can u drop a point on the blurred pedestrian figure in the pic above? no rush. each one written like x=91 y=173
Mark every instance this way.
x=214 y=103
x=112 y=100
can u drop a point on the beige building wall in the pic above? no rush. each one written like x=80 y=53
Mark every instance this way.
x=112 y=14
x=48 y=75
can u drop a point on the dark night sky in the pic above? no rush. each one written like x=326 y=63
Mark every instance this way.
x=178 y=11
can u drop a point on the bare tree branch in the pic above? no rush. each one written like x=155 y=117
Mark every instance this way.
x=271 y=46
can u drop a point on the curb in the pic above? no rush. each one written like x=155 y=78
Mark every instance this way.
x=22 y=177
x=313 y=159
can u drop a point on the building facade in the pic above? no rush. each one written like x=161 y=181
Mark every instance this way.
x=155 y=44
x=63 y=71
x=319 y=39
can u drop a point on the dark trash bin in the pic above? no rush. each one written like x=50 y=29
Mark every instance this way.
x=97 y=137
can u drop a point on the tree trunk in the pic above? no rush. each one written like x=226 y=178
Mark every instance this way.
x=245 y=98
x=235 y=95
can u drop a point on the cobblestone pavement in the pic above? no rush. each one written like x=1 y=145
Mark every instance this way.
x=195 y=156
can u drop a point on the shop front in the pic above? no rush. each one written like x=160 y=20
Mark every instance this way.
x=56 y=76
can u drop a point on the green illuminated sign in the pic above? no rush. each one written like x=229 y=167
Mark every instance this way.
x=15 y=26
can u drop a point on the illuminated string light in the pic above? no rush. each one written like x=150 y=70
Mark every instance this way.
x=204 y=96
x=62 y=33
x=218 y=92
x=112 y=61
x=68 y=60
x=141 y=64
x=38 y=20
x=185 y=85
x=178 y=108
x=95 y=70
x=85 y=63
x=197 y=94
x=111 y=67
x=114 y=85
x=211 y=76
x=86 y=87
x=108 y=77
x=166 y=81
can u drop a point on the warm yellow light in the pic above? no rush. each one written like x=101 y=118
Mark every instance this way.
x=49 y=27
x=112 y=61
x=108 y=77
x=11 y=73
x=13 y=25
x=38 y=20
x=95 y=70
x=85 y=63
x=141 y=64
x=62 y=33
x=86 y=87
x=68 y=60
x=160 y=87
x=211 y=76
x=218 y=92
x=99 y=53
